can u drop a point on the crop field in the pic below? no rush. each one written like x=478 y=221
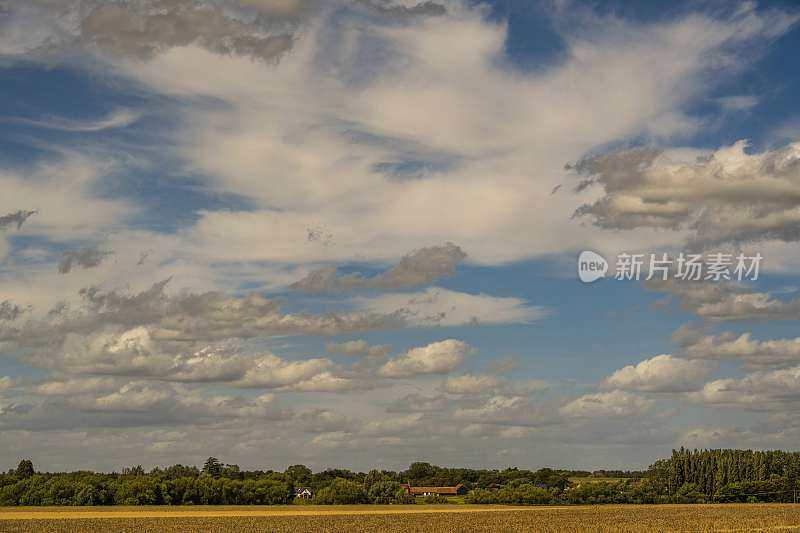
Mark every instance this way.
x=622 y=518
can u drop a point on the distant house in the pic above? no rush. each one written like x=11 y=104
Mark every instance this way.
x=304 y=493
x=458 y=490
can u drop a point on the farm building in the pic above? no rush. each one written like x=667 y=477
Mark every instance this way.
x=304 y=493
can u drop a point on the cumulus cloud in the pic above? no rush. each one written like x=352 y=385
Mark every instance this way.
x=184 y=337
x=442 y=307
x=749 y=306
x=431 y=92
x=743 y=348
x=413 y=403
x=726 y=196
x=480 y=384
x=508 y=410
x=274 y=372
x=76 y=385
x=134 y=352
x=122 y=403
x=322 y=421
x=616 y=403
x=421 y=267
x=762 y=390
x=727 y=302
x=662 y=373
x=89 y=257
x=435 y=358
x=209 y=315
x=471 y=384
x=369 y=356
x=392 y=426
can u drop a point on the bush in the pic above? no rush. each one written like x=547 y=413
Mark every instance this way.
x=482 y=496
x=435 y=498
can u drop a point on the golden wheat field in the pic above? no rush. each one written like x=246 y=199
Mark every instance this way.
x=622 y=518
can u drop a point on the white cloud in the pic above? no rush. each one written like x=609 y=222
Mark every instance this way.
x=435 y=358
x=508 y=410
x=763 y=390
x=443 y=307
x=119 y=118
x=75 y=386
x=753 y=353
x=471 y=384
x=737 y=103
x=725 y=196
x=662 y=373
x=63 y=189
x=437 y=99
x=392 y=426
x=614 y=403
x=272 y=371
x=478 y=384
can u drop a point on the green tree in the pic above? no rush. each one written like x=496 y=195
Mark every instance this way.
x=25 y=469
x=384 y=492
x=373 y=477
x=298 y=474
x=341 y=492
x=212 y=467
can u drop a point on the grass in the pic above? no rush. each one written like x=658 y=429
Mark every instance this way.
x=411 y=518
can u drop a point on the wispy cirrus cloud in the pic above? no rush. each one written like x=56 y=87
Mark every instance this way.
x=117 y=119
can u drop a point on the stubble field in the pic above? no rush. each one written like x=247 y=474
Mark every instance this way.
x=618 y=518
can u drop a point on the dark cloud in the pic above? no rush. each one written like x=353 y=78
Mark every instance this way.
x=17 y=218
x=423 y=266
x=89 y=257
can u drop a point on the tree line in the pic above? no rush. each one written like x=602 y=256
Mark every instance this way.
x=686 y=477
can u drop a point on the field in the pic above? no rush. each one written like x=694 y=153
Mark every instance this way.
x=622 y=518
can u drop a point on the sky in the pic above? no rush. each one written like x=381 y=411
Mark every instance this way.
x=346 y=233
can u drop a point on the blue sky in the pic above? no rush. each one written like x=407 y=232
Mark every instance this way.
x=348 y=231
